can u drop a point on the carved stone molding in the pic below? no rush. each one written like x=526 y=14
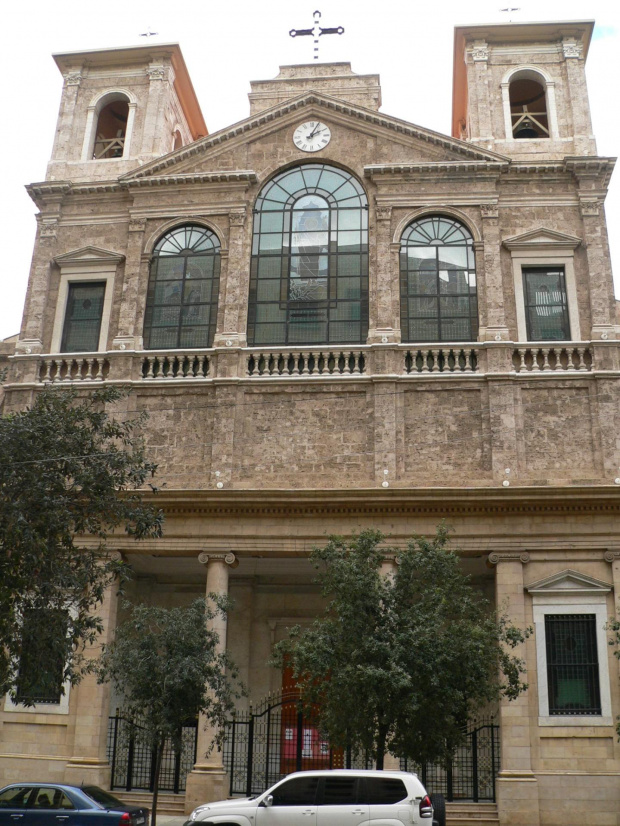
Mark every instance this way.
x=230 y=559
x=137 y=224
x=384 y=213
x=496 y=558
x=480 y=51
x=489 y=210
x=73 y=78
x=571 y=48
x=610 y=556
x=237 y=219
x=156 y=72
x=590 y=209
x=49 y=228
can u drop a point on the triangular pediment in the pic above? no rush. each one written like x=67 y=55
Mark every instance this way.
x=541 y=238
x=425 y=145
x=569 y=582
x=89 y=255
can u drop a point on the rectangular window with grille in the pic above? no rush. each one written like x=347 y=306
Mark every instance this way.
x=572 y=664
x=80 y=333
x=546 y=306
x=42 y=661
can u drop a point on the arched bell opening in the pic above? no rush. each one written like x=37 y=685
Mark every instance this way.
x=528 y=108
x=111 y=130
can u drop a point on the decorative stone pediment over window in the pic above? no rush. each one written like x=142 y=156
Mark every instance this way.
x=88 y=255
x=569 y=583
x=542 y=238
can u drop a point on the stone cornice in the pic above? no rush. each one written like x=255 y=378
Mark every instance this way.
x=244 y=176
x=323 y=101
x=598 y=169
x=404 y=170
x=603 y=499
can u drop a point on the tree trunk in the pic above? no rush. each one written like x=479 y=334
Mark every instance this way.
x=158 y=759
x=381 y=738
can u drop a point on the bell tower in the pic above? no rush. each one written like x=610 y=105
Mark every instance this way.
x=121 y=108
x=520 y=89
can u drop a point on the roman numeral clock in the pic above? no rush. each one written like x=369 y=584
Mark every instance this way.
x=312 y=136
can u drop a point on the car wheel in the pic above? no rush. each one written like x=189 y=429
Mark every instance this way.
x=439 y=809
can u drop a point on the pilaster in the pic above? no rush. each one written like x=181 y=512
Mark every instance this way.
x=517 y=786
x=236 y=285
x=491 y=275
x=133 y=289
x=384 y=294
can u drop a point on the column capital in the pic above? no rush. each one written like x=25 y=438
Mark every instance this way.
x=611 y=556
x=229 y=558
x=495 y=558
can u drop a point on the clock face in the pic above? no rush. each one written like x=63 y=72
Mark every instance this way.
x=312 y=136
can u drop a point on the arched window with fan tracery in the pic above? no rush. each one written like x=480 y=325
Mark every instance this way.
x=309 y=271
x=181 y=304
x=438 y=299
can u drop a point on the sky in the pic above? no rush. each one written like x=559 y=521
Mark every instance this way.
x=227 y=44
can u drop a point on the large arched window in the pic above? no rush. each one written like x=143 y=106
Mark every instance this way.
x=438 y=299
x=181 y=304
x=309 y=276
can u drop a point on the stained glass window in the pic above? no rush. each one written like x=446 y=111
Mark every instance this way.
x=546 y=307
x=438 y=299
x=309 y=272
x=181 y=303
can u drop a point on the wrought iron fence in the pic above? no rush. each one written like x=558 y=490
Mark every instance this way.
x=471 y=774
x=132 y=757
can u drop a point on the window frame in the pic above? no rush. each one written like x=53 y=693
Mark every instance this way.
x=85 y=265
x=97 y=104
x=527 y=270
x=529 y=72
x=586 y=596
x=473 y=318
x=215 y=281
x=282 y=257
x=65 y=330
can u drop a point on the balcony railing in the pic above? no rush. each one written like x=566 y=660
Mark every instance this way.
x=399 y=361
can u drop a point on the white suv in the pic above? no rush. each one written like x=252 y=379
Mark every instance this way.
x=327 y=798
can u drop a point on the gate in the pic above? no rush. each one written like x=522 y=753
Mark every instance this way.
x=132 y=757
x=471 y=774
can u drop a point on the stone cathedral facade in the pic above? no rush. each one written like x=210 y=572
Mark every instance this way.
x=336 y=320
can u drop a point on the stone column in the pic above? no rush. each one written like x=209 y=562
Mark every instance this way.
x=489 y=257
x=575 y=70
x=517 y=786
x=208 y=779
x=133 y=291
x=89 y=763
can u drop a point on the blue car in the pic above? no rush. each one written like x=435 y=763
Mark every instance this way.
x=55 y=804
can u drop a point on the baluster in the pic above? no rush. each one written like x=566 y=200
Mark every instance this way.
x=315 y=363
x=545 y=354
x=581 y=360
x=558 y=357
x=65 y=370
x=150 y=360
x=357 y=357
x=425 y=367
x=522 y=365
x=570 y=352
x=99 y=369
x=87 y=369
x=295 y=370
x=45 y=370
x=468 y=355
x=305 y=359
x=347 y=367
x=435 y=357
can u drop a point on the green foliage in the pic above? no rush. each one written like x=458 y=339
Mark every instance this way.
x=68 y=470
x=165 y=664
x=399 y=662
x=613 y=627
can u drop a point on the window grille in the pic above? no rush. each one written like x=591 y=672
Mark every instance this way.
x=309 y=271
x=42 y=660
x=182 y=298
x=83 y=317
x=546 y=307
x=572 y=664
x=438 y=298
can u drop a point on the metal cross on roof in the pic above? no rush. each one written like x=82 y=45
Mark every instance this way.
x=316 y=31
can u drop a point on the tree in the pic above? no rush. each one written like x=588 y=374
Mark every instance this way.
x=613 y=627
x=400 y=661
x=167 y=666
x=70 y=474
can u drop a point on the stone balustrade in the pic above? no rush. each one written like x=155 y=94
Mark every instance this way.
x=400 y=361
x=534 y=358
x=319 y=362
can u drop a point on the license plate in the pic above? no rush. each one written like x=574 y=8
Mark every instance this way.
x=139 y=821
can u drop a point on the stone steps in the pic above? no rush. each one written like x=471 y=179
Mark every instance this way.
x=471 y=814
x=167 y=803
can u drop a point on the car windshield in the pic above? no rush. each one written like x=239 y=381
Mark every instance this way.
x=103 y=798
